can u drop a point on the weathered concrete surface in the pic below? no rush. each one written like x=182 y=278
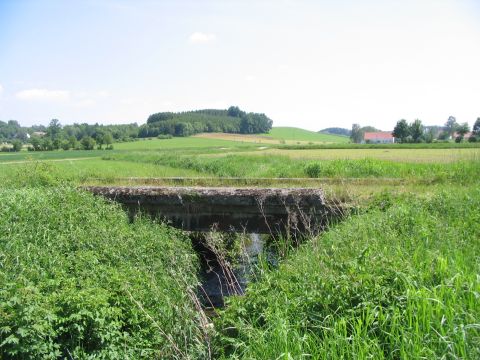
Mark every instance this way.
x=252 y=210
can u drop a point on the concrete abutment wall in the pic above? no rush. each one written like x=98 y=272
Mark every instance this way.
x=253 y=210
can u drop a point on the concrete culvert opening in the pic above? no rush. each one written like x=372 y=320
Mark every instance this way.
x=230 y=227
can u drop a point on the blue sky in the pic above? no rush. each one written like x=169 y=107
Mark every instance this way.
x=311 y=64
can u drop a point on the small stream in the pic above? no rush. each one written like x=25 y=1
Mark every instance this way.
x=220 y=281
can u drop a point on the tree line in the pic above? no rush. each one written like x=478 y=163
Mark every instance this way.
x=231 y=120
x=162 y=125
x=55 y=136
x=416 y=132
x=336 y=131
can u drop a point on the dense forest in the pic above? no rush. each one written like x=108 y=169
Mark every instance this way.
x=336 y=131
x=232 y=120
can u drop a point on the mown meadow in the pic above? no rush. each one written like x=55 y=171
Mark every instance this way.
x=396 y=279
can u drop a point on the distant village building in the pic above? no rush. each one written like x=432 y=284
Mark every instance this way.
x=379 y=137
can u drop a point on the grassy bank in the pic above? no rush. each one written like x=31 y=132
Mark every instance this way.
x=399 y=281
x=80 y=281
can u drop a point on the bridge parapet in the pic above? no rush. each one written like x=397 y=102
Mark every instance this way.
x=253 y=210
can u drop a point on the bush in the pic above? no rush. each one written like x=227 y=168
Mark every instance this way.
x=164 y=137
x=78 y=280
x=17 y=145
x=313 y=170
x=88 y=143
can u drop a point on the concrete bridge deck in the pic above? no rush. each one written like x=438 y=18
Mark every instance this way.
x=253 y=210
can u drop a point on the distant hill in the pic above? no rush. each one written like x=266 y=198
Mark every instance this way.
x=336 y=131
x=297 y=134
x=232 y=120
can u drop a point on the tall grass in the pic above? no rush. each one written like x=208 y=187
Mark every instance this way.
x=78 y=280
x=397 y=282
x=258 y=166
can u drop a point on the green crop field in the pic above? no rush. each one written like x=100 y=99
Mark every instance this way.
x=397 y=278
x=177 y=142
x=393 y=154
x=296 y=134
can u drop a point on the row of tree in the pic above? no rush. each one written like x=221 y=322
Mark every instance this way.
x=77 y=136
x=12 y=130
x=232 y=120
x=55 y=136
x=336 y=131
x=415 y=132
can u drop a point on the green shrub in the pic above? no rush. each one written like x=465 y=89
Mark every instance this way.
x=78 y=280
x=313 y=169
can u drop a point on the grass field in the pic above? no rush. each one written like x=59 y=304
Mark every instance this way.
x=399 y=155
x=180 y=143
x=280 y=135
x=397 y=279
x=301 y=135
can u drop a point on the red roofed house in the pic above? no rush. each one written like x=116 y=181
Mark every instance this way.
x=379 y=137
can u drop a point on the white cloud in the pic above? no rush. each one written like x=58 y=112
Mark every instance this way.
x=43 y=95
x=250 y=78
x=202 y=38
x=1 y=89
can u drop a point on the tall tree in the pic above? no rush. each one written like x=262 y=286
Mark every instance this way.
x=16 y=145
x=416 y=130
x=401 y=130
x=430 y=133
x=357 y=134
x=462 y=129
x=36 y=143
x=54 y=128
x=88 y=143
x=108 y=139
x=451 y=125
x=476 y=128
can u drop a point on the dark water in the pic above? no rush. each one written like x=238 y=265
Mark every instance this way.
x=220 y=280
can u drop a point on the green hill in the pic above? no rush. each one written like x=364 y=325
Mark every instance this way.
x=231 y=120
x=296 y=134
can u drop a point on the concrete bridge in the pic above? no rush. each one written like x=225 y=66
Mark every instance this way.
x=253 y=210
